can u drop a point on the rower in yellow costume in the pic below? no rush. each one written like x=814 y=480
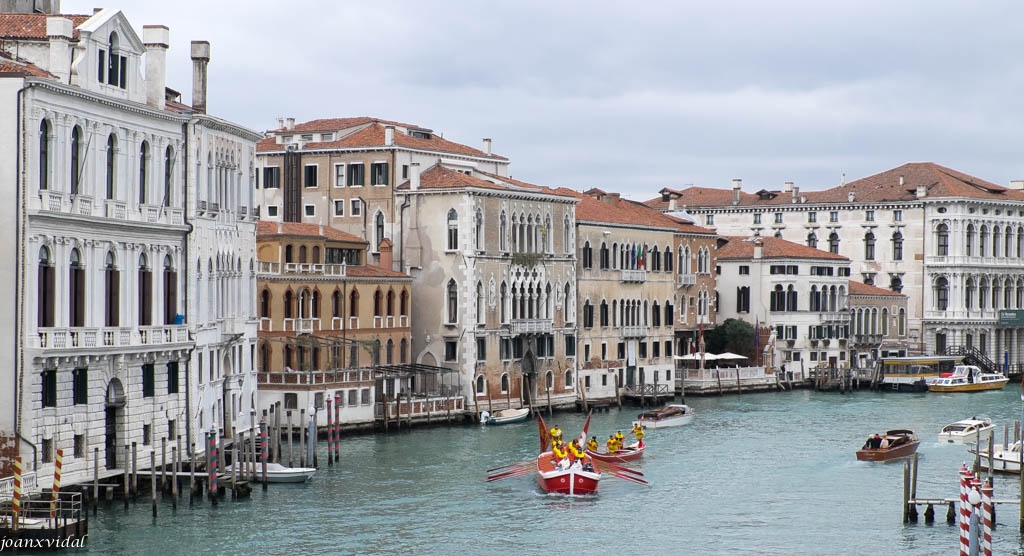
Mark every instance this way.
x=558 y=451
x=592 y=444
x=638 y=431
x=612 y=444
x=620 y=439
x=556 y=434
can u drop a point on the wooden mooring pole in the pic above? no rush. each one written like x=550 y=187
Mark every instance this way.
x=174 y=477
x=135 y=470
x=906 y=492
x=127 y=479
x=291 y=461
x=95 y=480
x=152 y=479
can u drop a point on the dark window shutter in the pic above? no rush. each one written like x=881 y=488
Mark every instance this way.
x=170 y=296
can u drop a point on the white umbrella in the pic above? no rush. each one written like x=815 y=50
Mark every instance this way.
x=697 y=357
x=728 y=355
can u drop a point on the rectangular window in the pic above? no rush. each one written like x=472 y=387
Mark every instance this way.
x=757 y=218
x=272 y=178
x=339 y=207
x=101 y=65
x=450 y=350
x=812 y=217
x=148 y=380
x=668 y=348
x=869 y=215
x=744 y=269
x=604 y=380
x=604 y=351
x=353 y=398
x=80 y=379
x=49 y=388
x=586 y=352
x=379 y=173
x=356 y=174
x=405 y=171
x=79 y=445
x=643 y=350
x=655 y=351
x=147 y=435
x=47 y=450
x=481 y=349
x=339 y=175
x=897 y=215
x=570 y=346
x=365 y=396
x=172 y=377
x=517 y=347
x=357 y=208
x=307 y=137
x=272 y=210
x=833 y=216
x=709 y=220
x=309 y=210
x=318 y=400
x=505 y=349
x=309 y=178
x=172 y=429
x=778 y=218
x=327 y=137
x=291 y=401
x=621 y=353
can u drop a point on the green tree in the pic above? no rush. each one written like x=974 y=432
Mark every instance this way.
x=733 y=335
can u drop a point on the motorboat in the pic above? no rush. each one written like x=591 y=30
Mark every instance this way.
x=1004 y=459
x=277 y=473
x=895 y=444
x=632 y=452
x=966 y=431
x=968 y=378
x=505 y=416
x=672 y=415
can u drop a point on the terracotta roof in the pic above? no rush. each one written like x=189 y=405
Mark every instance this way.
x=689 y=227
x=442 y=177
x=32 y=26
x=860 y=288
x=269 y=228
x=597 y=206
x=371 y=271
x=335 y=124
x=896 y=184
x=772 y=248
x=11 y=65
x=372 y=136
x=177 y=107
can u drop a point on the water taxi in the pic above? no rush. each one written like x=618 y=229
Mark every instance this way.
x=895 y=444
x=966 y=431
x=914 y=374
x=672 y=415
x=1004 y=459
x=968 y=378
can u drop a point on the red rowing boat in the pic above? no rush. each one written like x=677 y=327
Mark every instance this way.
x=632 y=452
x=571 y=480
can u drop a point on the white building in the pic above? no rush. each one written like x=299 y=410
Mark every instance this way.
x=954 y=243
x=799 y=291
x=95 y=238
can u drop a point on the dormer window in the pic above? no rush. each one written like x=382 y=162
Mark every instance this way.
x=419 y=134
x=327 y=137
x=307 y=137
x=112 y=67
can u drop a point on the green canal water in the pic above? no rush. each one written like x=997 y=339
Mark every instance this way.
x=753 y=474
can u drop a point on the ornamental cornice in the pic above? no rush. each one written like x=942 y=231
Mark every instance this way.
x=120 y=104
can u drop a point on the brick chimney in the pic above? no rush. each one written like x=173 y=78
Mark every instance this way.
x=414 y=176
x=200 y=58
x=59 y=31
x=157 y=39
x=386 y=258
x=672 y=204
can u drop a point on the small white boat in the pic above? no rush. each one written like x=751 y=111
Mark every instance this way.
x=277 y=473
x=505 y=416
x=672 y=415
x=966 y=431
x=1006 y=460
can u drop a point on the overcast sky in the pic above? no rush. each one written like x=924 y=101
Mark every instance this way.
x=632 y=99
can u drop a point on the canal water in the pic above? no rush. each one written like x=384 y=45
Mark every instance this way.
x=753 y=474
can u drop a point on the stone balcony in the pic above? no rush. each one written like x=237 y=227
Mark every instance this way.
x=687 y=279
x=77 y=338
x=531 y=326
x=633 y=275
x=112 y=209
x=633 y=332
x=275 y=269
x=835 y=317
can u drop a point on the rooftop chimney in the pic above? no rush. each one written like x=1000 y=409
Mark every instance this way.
x=796 y=194
x=737 y=185
x=842 y=182
x=851 y=196
x=386 y=258
x=921 y=192
x=59 y=31
x=758 y=249
x=1017 y=184
x=280 y=123
x=487 y=146
x=787 y=187
x=389 y=135
x=157 y=39
x=901 y=181
x=289 y=123
x=200 y=57
x=414 y=176
x=672 y=204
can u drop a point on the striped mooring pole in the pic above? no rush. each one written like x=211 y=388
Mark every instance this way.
x=56 y=484
x=211 y=462
x=16 y=500
x=963 y=522
x=330 y=433
x=264 y=450
x=337 y=427
x=987 y=521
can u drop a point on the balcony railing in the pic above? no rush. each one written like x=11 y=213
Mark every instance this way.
x=633 y=275
x=267 y=267
x=302 y=326
x=633 y=332
x=835 y=316
x=116 y=209
x=84 y=338
x=53 y=201
x=80 y=204
x=687 y=279
x=870 y=339
x=531 y=326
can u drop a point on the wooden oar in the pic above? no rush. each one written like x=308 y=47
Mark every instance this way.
x=515 y=464
x=512 y=470
x=510 y=474
x=612 y=467
x=629 y=478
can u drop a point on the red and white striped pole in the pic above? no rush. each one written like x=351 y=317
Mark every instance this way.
x=16 y=501
x=964 y=521
x=330 y=433
x=263 y=451
x=337 y=427
x=56 y=483
x=211 y=462
x=986 y=528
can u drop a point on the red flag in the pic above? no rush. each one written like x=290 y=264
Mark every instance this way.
x=545 y=435
x=586 y=426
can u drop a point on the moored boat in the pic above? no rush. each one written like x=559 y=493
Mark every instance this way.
x=672 y=415
x=505 y=416
x=965 y=431
x=1004 y=459
x=277 y=473
x=578 y=478
x=895 y=444
x=968 y=378
x=632 y=452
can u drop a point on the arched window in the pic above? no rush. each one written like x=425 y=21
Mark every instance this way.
x=44 y=154
x=480 y=384
x=288 y=254
x=833 y=243
x=941 y=294
x=812 y=240
x=403 y=303
x=568 y=315
x=302 y=254
x=869 y=246
x=943 y=230
x=391 y=303
x=588 y=256
x=1020 y=242
x=168 y=167
x=288 y=356
x=265 y=357
x=403 y=348
x=289 y=302
x=316 y=304
x=549 y=380
x=112 y=291
x=568 y=380
x=901 y=322
x=897 y=246
x=1008 y=241
x=885 y=322
x=378 y=235
x=670 y=312
x=452 y=302
x=478 y=230
x=996 y=239
x=145 y=292
x=45 y=284
x=604 y=313
x=117 y=65
x=481 y=304
x=453 y=230
x=76 y=307
x=791 y=300
x=655 y=259
x=143 y=168
x=777 y=302
x=503 y=232
x=969 y=294
x=265 y=304
x=170 y=291
x=588 y=314
x=353 y=303
x=316 y=255
x=566 y=227
x=655 y=314
x=336 y=311
x=503 y=304
x=896 y=284
x=378 y=303
x=504 y=383
x=111 y=164
x=668 y=259
x=982 y=240
x=76 y=153
x=389 y=352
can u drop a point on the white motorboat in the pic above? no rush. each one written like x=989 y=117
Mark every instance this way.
x=966 y=431
x=505 y=416
x=672 y=415
x=968 y=378
x=277 y=473
x=1006 y=460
